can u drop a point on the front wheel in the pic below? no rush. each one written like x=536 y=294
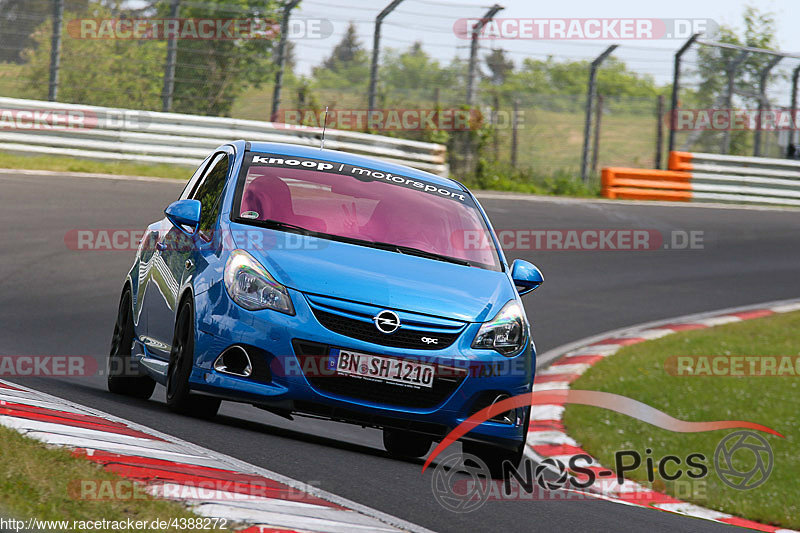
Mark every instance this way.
x=181 y=359
x=493 y=456
x=122 y=378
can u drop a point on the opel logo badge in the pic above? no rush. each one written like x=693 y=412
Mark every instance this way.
x=387 y=321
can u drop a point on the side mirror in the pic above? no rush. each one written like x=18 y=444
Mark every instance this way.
x=183 y=214
x=526 y=276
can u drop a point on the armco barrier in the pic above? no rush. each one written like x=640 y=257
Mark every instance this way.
x=709 y=177
x=51 y=128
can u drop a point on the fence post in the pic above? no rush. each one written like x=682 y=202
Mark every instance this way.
x=659 y=130
x=598 y=115
x=169 y=68
x=790 y=153
x=514 y=128
x=55 y=49
x=730 y=72
x=762 y=97
x=495 y=121
x=376 y=49
x=281 y=61
x=590 y=94
x=473 y=50
x=676 y=87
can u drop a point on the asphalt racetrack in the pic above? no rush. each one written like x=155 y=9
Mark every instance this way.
x=55 y=300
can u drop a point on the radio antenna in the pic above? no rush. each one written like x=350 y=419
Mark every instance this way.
x=324 y=126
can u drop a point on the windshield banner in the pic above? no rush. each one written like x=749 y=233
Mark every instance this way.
x=360 y=173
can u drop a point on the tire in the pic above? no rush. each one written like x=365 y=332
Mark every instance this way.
x=181 y=359
x=121 y=378
x=406 y=444
x=495 y=456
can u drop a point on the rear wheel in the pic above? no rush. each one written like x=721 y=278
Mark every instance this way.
x=181 y=359
x=122 y=378
x=406 y=443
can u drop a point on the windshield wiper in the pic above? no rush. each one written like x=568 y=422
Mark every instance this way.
x=407 y=250
x=430 y=255
x=277 y=224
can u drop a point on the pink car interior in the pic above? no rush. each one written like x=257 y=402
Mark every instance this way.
x=369 y=210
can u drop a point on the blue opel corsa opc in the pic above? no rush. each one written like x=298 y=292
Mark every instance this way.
x=314 y=282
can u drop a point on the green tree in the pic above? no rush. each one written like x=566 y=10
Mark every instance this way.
x=713 y=66
x=106 y=72
x=347 y=66
x=211 y=74
x=499 y=66
x=562 y=85
x=20 y=18
x=413 y=69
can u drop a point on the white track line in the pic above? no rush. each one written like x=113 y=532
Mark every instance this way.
x=270 y=512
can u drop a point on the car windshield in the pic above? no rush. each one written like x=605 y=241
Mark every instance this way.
x=365 y=206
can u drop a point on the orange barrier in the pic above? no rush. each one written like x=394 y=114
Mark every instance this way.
x=709 y=178
x=645 y=184
x=680 y=161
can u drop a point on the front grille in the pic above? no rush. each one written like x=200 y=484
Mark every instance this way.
x=445 y=382
x=404 y=337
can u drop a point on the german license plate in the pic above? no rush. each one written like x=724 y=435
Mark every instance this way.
x=388 y=369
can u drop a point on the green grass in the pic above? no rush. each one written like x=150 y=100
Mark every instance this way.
x=11 y=83
x=496 y=178
x=638 y=372
x=550 y=141
x=71 y=164
x=43 y=482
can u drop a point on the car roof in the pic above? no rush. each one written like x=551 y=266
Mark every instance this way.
x=350 y=159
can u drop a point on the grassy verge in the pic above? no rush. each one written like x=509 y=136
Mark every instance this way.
x=494 y=177
x=44 y=483
x=638 y=372
x=71 y=164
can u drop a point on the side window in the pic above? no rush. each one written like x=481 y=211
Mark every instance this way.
x=193 y=180
x=209 y=192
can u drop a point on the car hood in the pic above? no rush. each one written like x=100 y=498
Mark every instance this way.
x=385 y=279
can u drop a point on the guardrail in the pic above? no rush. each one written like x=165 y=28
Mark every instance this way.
x=38 y=127
x=709 y=177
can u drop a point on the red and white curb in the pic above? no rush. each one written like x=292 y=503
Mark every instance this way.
x=547 y=437
x=211 y=484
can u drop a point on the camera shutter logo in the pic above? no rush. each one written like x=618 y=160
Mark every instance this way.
x=551 y=466
x=750 y=449
x=448 y=483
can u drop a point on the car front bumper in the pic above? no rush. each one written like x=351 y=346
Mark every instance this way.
x=283 y=379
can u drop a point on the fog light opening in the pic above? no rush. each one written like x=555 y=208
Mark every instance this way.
x=234 y=361
x=506 y=417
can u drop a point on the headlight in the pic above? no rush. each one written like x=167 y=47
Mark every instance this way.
x=251 y=286
x=505 y=333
